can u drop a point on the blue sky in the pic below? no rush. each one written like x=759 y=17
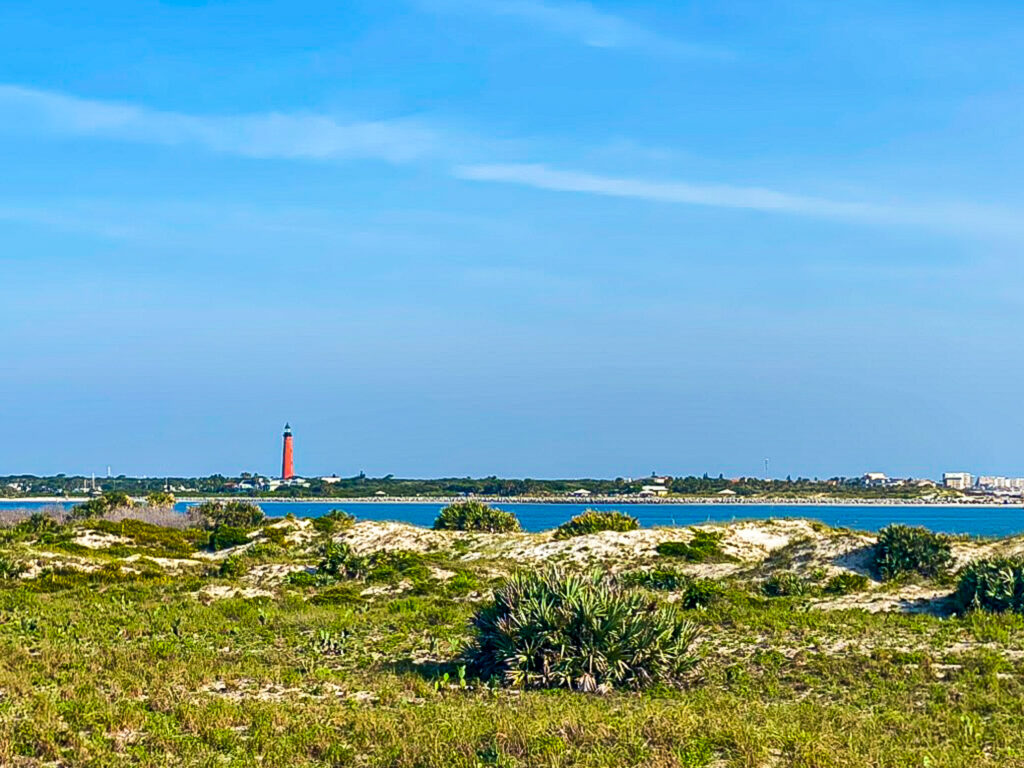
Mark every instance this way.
x=520 y=237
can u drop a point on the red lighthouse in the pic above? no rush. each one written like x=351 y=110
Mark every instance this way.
x=287 y=462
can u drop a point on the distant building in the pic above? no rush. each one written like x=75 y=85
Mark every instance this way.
x=875 y=478
x=999 y=483
x=330 y=479
x=959 y=481
x=727 y=492
x=581 y=492
x=653 y=490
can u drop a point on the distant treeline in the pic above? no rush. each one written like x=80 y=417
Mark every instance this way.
x=14 y=486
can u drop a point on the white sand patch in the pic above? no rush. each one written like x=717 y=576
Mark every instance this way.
x=749 y=541
x=170 y=563
x=913 y=598
x=272 y=574
x=99 y=540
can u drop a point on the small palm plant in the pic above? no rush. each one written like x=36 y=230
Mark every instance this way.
x=583 y=632
x=474 y=515
x=904 y=549
x=994 y=584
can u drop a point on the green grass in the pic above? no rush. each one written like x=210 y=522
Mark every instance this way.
x=118 y=668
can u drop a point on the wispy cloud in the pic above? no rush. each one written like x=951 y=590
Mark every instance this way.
x=956 y=217
x=583 y=22
x=316 y=137
x=264 y=135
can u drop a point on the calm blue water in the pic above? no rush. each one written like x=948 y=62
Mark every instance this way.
x=980 y=521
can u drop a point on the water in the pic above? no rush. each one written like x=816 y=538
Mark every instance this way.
x=979 y=521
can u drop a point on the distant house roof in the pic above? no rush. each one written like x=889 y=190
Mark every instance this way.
x=581 y=492
x=727 y=492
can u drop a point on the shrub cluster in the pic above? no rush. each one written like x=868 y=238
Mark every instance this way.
x=475 y=516
x=10 y=569
x=339 y=562
x=902 y=549
x=160 y=499
x=101 y=505
x=784 y=584
x=846 y=584
x=704 y=547
x=693 y=593
x=582 y=632
x=155 y=540
x=335 y=520
x=994 y=584
x=236 y=514
x=227 y=536
x=592 y=521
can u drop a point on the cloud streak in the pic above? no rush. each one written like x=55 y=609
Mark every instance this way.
x=314 y=137
x=584 y=23
x=267 y=135
x=964 y=218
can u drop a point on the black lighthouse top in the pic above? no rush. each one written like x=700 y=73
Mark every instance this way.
x=287 y=430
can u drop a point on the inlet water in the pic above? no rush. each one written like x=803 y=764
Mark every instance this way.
x=975 y=520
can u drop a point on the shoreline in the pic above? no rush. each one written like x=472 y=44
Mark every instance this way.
x=602 y=500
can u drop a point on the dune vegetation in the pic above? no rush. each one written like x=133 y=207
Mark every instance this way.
x=141 y=637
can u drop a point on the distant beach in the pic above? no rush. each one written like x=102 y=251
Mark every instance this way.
x=574 y=500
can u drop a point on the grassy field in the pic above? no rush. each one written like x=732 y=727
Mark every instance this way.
x=121 y=644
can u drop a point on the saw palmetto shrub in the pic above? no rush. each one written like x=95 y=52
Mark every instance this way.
x=582 y=632
x=476 y=516
x=993 y=584
x=592 y=521
x=784 y=584
x=236 y=514
x=903 y=550
x=846 y=584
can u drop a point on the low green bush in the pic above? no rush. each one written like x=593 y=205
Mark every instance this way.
x=700 y=593
x=704 y=547
x=784 y=584
x=227 y=536
x=475 y=516
x=903 y=549
x=232 y=567
x=153 y=539
x=693 y=593
x=582 y=632
x=657 y=578
x=846 y=584
x=302 y=579
x=339 y=594
x=275 y=535
x=993 y=584
x=236 y=514
x=335 y=520
x=10 y=569
x=592 y=521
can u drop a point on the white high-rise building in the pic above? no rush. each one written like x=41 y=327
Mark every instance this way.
x=960 y=481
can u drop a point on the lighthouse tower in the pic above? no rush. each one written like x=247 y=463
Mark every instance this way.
x=287 y=462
